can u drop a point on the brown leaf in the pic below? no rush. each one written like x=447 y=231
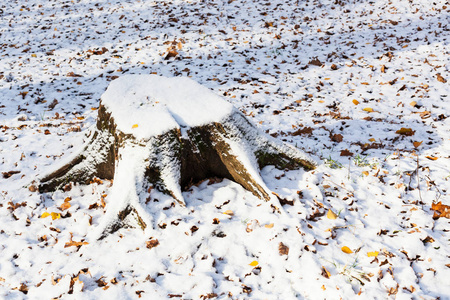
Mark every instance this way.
x=440 y=78
x=441 y=210
x=64 y=206
x=9 y=174
x=75 y=244
x=428 y=239
x=303 y=131
x=405 y=131
x=23 y=288
x=100 y=282
x=337 y=138
x=417 y=144
x=152 y=243
x=72 y=74
x=283 y=249
x=315 y=62
x=325 y=273
x=171 y=53
x=346 y=152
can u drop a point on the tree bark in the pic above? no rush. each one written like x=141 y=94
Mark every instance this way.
x=231 y=148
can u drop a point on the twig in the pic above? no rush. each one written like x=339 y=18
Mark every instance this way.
x=418 y=182
x=434 y=184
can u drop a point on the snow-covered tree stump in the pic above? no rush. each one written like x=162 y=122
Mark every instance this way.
x=167 y=133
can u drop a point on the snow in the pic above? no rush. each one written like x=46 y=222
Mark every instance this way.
x=150 y=105
x=254 y=54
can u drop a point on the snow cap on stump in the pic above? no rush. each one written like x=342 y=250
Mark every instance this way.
x=150 y=105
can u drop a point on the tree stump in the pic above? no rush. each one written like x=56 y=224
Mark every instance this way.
x=168 y=133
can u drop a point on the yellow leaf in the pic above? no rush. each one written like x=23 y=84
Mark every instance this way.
x=55 y=215
x=94 y=108
x=413 y=103
x=346 y=249
x=331 y=215
x=135 y=126
x=366 y=173
x=372 y=254
x=431 y=157
x=33 y=55
x=356 y=102
x=253 y=263
x=323 y=287
x=368 y=109
x=229 y=212
x=372 y=140
x=45 y=215
x=269 y=225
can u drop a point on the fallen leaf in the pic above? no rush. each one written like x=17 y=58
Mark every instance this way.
x=366 y=173
x=413 y=103
x=368 y=109
x=372 y=140
x=372 y=254
x=441 y=210
x=325 y=273
x=65 y=205
x=45 y=215
x=331 y=215
x=417 y=144
x=346 y=249
x=74 y=244
x=283 y=249
x=346 y=152
x=431 y=157
x=405 y=131
x=253 y=263
x=269 y=225
x=356 y=102
x=171 y=53
x=9 y=174
x=55 y=215
x=135 y=126
x=152 y=243
x=337 y=138
x=228 y=212
x=440 y=78
x=428 y=239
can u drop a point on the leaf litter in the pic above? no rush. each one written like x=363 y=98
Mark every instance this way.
x=328 y=77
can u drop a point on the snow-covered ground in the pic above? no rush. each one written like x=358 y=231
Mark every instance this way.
x=363 y=86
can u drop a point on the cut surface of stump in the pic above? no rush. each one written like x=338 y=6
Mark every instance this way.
x=167 y=133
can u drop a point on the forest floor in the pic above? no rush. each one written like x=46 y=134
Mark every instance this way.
x=362 y=86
